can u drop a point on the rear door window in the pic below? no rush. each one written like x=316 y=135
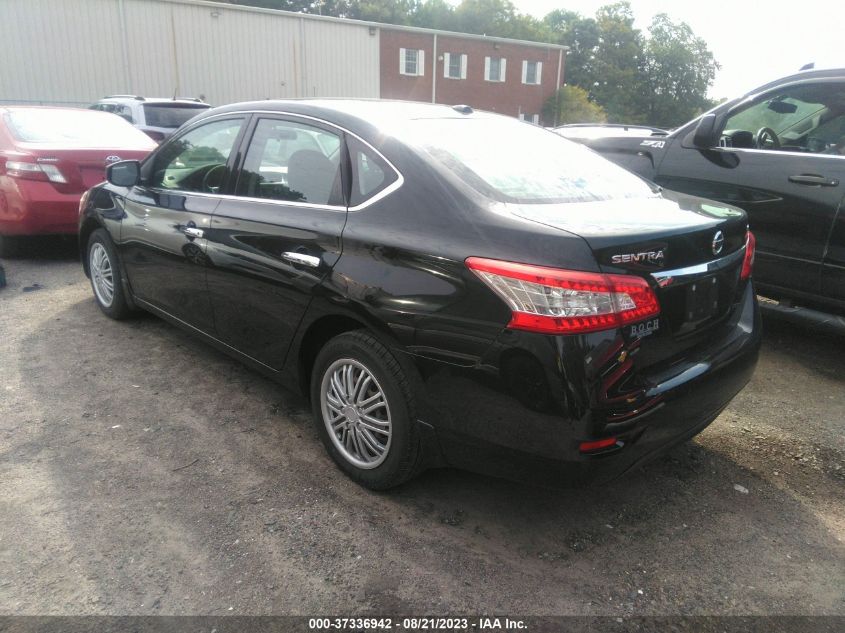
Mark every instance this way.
x=292 y=161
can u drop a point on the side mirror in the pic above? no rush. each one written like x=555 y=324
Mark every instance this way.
x=125 y=173
x=706 y=134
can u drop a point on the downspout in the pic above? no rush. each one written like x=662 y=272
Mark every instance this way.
x=127 y=69
x=434 y=71
x=178 y=86
x=557 y=86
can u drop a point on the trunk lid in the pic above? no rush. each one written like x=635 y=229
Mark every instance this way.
x=669 y=232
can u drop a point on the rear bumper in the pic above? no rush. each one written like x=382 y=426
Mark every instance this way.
x=36 y=208
x=525 y=410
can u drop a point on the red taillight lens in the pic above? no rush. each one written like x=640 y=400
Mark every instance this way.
x=34 y=171
x=598 y=445
x=556 y=301
x=24 y=170
x=748 y=260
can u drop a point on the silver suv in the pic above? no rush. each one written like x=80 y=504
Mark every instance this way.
x=157 y=117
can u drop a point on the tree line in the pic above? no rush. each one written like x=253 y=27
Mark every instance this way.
x=614 y=71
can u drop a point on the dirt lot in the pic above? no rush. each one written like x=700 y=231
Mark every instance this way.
x=142 y=472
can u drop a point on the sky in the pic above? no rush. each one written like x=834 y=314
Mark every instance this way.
x=754 y=40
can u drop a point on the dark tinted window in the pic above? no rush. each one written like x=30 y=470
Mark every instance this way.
x=293 y=162
x=807 y=118
x=170 y=115
x=196 y=161
x=370 y=174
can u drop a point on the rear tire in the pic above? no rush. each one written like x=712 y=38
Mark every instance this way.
x=104 y=271
x=364 y=411
x=9 y=246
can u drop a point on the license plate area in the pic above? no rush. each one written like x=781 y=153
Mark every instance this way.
x=702 y=300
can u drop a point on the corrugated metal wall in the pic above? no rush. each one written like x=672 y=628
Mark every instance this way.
x=76 y=51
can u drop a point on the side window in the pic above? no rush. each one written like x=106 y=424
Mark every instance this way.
x=196 y=161
x=370 y=174
x=293 y=162
x=807 y=118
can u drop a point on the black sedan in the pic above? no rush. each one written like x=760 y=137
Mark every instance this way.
x=777 y=152
x=447 y=287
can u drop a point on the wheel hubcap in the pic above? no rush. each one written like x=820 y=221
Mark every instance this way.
x=356 y=413
x=102 y=276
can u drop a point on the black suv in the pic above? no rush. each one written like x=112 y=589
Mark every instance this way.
x=448 y=287
x=779 y=153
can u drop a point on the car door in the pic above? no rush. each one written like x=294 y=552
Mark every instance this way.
x=272 y=243
x=162 y=238
x=779 y=160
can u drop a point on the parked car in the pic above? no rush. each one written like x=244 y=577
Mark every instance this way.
x=48 y=158
x=585 y=131
x=448 y=287
x=779 y=153
x=158 y=117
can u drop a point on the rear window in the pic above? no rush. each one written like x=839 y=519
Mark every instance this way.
x=170 y=115
x=510 y=161
x=78 y=128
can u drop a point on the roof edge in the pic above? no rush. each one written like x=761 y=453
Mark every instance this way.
x=363 y=23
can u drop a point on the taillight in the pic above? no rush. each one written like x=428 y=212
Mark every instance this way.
x=34 y=171
x=748 y=260
x=554 y=301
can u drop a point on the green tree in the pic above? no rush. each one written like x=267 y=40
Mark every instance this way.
x=616 y=77
x=434 y=14
x=679 y=69
x=581 y=35
x=571 y=104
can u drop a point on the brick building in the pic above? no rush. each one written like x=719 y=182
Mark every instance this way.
x=505 y=76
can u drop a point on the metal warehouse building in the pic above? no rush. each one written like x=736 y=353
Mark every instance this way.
x=77 y=51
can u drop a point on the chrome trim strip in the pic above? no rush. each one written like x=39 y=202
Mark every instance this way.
x=700 y=269
x=400 y=179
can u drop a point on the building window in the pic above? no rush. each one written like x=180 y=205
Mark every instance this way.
x=533 y=118
x=411 y=62
x=531 y=72
x=494 y=68
x=454 y=65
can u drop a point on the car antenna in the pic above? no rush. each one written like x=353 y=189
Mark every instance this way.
x=463 y=109
x=809 y=66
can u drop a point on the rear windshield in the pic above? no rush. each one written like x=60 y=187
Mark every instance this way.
x=170 y=115
x=511 y=161
x=78 y=128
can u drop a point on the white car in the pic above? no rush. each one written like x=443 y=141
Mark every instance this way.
x=157 y=117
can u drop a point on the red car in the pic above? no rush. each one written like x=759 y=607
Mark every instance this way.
x=49 y=157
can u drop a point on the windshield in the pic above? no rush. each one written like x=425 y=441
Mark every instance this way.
x=511 y=161
x=78 y=128
x=170 y=115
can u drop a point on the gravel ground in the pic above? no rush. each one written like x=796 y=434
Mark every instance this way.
x=142 y=472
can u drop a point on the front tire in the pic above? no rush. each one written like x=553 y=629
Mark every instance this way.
x=364 y=411
x=104 y=271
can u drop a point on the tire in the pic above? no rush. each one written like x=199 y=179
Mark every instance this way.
x=9 y=246
x=104 y=266
x=359 y=455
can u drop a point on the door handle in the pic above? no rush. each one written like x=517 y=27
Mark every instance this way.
x=301 y=258
x=814 y=179
x=192 y=231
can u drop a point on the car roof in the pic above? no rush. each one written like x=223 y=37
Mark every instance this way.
x=826 y=73
x=153 y=100
x=363 y=116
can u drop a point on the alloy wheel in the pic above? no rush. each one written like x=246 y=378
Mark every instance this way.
x=356 y=413
x=102 y=274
